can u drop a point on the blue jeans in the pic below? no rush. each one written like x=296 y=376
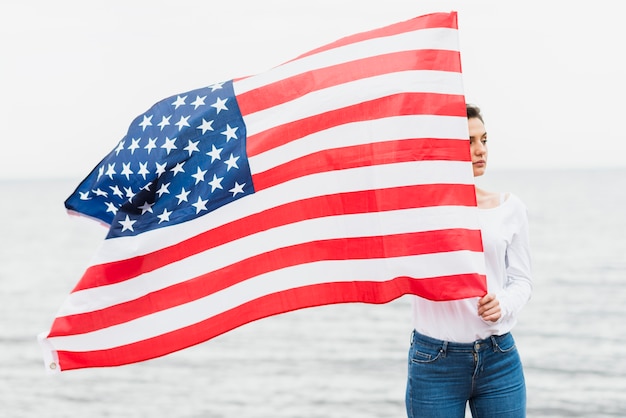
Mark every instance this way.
x=444 y=376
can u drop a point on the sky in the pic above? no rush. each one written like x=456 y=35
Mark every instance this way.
x=549 y=75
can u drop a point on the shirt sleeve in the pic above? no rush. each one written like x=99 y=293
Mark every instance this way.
x=519 y=286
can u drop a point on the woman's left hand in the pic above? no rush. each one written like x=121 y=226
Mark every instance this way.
x=489 y=308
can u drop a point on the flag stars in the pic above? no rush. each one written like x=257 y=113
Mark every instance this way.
x=129 y=193
x=165 y=216
x=110 y=171
x=200 y=205
x=230 y=132
x=182 y=122
x=219 y=105
x=163 y=189
x=143 y=170
x=199 y=176
x=165 y=121
x=120 y=148
x=214 y=153
x=237 y=189
x=168 y=145
x=146 y=207
x=191 y=147
x=151 y=144
x=127 y=224
x=198 y=102
x=116 y=191
x=231 y=162
x=126 y=171
x=216 y=183
x=216 y=86
x=111 y=208
x=178 y=168
x=84 y=196
x=147 y=121
x=99 y=192
x=182 y=196
x=134 y=145
x=160 y=169
x=180 y=101
x=206 y=126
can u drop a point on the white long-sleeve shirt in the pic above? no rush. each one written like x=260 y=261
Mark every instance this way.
x=504 y=230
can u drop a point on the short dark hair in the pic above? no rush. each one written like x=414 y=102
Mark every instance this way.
x=473 y=111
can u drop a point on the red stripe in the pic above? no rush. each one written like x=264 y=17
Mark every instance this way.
x=316 y=207
x=431 y=21
x=365 y=155
x=361 y=248
x=297 y=86
x=402 y=104
x=439 y=288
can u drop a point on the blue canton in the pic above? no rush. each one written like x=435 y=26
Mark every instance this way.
x=183 y=158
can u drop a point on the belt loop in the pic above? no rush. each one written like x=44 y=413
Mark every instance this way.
x=444 y=348
x=494 y=343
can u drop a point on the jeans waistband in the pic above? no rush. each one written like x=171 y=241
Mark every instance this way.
x=478 y=345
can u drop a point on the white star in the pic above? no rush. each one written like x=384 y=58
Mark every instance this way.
x=206 y=126
x=182 y=196
x=231 y=162
x=84 y=196
x=126 y=171
x=230 y=132
x=135 y=144
x=169 y=145
x=147 y=186
x=147 y=121
x=165 y=216
x=214 y=153
x=120 y=147
x=116 y=191
x=182 y=122
x=237 y=189
x=164 y=121
x=100 y=172
x=127 y=224
x=129 y=193
x=220 y=104
x=151 y=144
x=146 y=207
x=111 y=171
x=99 y=192
x=111 y=208
x=180 y=101
x=199 y=176
x=216 y=86
x=216 y=183
x=160 y=169
x=200 y=205
x=143 y=169
x=193 y=146
x=198 y=102
x=178 y=168
x=163 y=189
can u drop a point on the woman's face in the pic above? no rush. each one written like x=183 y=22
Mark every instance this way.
x=478 y=146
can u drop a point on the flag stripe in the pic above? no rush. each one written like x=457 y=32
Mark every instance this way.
x=291 y=88
x=361 y=156
x=422 y=114
x=278 y=281
x=390 y=246
x=262 y=307
x=311 y=208
x=431 y=21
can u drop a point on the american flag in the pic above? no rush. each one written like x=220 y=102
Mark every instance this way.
x=341 y=176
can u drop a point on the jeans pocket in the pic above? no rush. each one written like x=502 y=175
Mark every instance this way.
x=505 y=345
x=421 y=353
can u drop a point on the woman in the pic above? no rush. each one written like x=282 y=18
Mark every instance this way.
x=462 y=351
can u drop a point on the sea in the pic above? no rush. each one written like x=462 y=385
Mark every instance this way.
x=342 y=361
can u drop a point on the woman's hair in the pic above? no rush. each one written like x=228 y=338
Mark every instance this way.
x=474 y=112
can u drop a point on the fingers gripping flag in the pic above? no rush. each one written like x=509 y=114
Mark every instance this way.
x=343 y=175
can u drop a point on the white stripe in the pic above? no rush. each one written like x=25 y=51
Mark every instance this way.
x=330 y=227
x=365 y=132
x=435 y=38
x=377 y=270
x=327 y=183
x=352 y=93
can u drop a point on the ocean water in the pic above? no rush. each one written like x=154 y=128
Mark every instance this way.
x=332 y=361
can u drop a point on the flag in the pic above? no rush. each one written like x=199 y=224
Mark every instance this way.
x=343 y=175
